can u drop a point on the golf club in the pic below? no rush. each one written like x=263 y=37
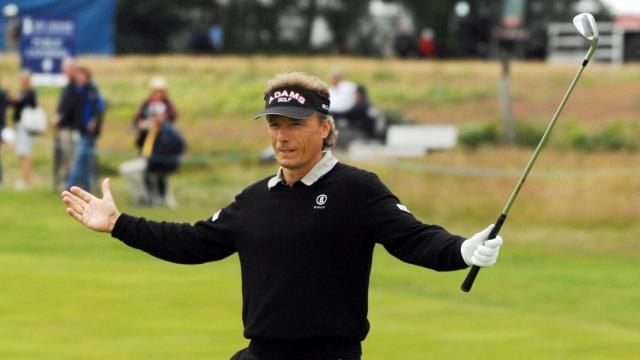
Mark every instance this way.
x=586 y=25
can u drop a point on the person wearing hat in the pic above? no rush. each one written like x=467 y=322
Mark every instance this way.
x=304 y=237
x=159 y=93
x=148 y=174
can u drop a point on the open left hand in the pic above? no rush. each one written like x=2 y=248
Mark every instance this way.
x=97 y=214
x=479 y=251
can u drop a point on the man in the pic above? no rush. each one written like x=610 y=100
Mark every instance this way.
x=87 y=112
x=305 y=236
x=342 y=94
x=67 y=132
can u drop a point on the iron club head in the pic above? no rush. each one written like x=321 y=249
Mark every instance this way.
x=586 y=25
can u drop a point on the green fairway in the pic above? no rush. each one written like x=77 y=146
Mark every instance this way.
x=71 y=293
x=566 y=285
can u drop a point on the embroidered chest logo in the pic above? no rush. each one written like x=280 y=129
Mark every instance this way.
x=320 y=201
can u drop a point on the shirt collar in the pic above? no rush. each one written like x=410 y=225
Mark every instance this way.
x=323 y=166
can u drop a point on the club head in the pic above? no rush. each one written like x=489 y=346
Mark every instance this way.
x=586 y=25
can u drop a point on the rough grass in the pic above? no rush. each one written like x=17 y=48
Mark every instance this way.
x=565 y=288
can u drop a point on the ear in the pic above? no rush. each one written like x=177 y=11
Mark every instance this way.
x=325 y=127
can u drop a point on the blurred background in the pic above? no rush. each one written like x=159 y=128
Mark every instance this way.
x=452 y=96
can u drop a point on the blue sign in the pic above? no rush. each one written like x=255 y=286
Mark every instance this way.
x=44 y=44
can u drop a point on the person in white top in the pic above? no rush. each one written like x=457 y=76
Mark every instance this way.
x=342 y=94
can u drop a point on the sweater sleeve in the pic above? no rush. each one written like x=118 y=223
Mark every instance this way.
x=182 y=243
x=391 y=224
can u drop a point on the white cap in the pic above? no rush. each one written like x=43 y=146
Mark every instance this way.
x=158 y=83
x=10 y=10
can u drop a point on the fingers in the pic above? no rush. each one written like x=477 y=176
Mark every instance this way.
x=485 y=250
x=484 y=234
x=81 y=193
x=485 y=256
x=494 y=243
x=106 y=188
x=74 y=214
x=74 y=203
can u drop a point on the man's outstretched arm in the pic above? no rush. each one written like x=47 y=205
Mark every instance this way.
x=392 y=225
x=175 y=242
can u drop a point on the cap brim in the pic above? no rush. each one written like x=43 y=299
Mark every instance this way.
x=288 y=111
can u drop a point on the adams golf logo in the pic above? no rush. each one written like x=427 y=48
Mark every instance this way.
x=286 y=96
x=320 y=201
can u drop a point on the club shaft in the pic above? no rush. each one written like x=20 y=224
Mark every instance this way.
x=542 y=142
x=473 y=272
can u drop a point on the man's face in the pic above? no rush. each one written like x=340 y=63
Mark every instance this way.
x=81 y=77
x=297 y=142
x=68 y=69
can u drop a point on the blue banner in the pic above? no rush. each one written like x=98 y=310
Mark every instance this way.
x=45 y=43
x=94 y=20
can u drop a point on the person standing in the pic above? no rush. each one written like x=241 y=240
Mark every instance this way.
x=88 y=112
x=24 y=139
x=66 y=131
x=304 y=237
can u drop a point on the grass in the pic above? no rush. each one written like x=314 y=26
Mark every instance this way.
x=565 y=287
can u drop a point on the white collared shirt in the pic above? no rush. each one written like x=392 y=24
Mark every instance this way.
x=323 y=166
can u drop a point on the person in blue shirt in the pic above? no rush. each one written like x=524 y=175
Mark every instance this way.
x=88 y=112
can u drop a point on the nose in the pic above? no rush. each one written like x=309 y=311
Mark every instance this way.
x=282 y=135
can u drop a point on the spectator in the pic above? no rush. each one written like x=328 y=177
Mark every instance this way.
x=159 y=93
x=216 y=38
x=67 y=132
x=24 y=140
x=361 y=115
x=148 y=174
x=12 y=27
x=427 y=43
x=405 y=44
x=88 y=111
x=342 y=93
x=355 y=118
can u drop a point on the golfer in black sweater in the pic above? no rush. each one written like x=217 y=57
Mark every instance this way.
x=305 y=236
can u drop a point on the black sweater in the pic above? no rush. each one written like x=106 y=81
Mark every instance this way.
x=305 y=262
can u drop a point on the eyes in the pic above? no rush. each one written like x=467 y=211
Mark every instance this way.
x=295 y=125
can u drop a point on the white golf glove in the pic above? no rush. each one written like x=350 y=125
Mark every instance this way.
x=479 y=251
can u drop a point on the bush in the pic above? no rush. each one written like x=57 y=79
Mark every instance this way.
x=477 y=135
x=527 y=134
x=615 y=137
x=620 y=135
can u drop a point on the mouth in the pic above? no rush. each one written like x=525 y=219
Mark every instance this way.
x=286 y=151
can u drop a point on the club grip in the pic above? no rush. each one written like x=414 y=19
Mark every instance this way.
x=473 y=272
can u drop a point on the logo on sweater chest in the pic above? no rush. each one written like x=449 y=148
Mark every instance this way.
x=321 y=200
